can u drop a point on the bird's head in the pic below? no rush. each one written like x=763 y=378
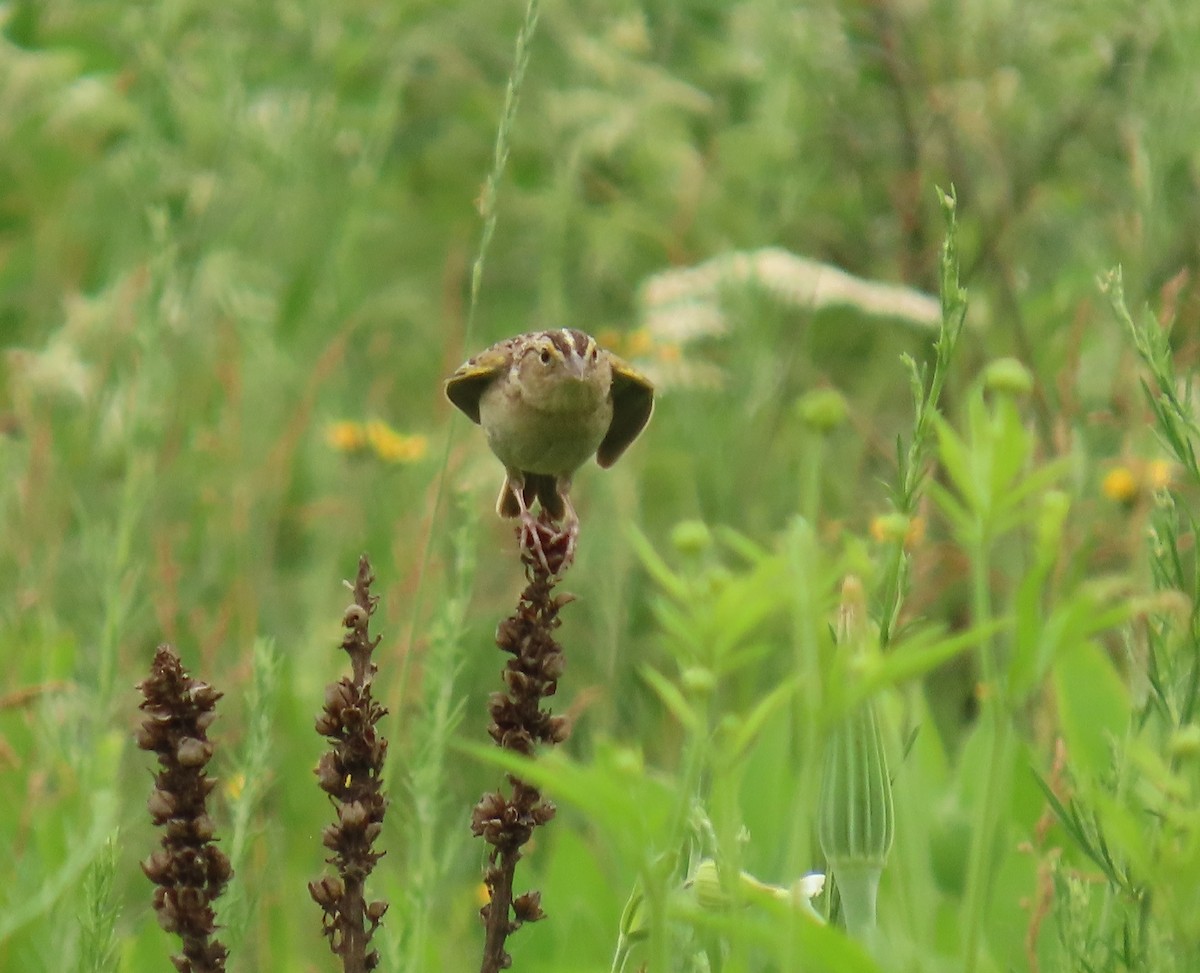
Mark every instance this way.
x=564 y=368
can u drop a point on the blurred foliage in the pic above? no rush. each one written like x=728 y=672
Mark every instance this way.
x=235 y=252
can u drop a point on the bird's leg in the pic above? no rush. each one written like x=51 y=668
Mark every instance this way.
x=560 y=534
x=569 y=530
x=530 y=529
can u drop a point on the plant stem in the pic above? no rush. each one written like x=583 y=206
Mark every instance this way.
x=997 y=774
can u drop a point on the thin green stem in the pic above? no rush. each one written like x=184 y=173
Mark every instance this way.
x=997 y=772
x=488 y=211
x=487 y=202
x=911 y=462
x=810 y=496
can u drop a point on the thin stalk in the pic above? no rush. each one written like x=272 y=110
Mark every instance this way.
x=911 y=463
x=810 y=495
x=998 y=773
x=488 y=212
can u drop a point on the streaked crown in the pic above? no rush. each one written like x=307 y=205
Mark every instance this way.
x=565 y=345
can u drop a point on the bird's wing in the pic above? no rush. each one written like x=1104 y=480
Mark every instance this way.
x=633 y=401
x=466 y=386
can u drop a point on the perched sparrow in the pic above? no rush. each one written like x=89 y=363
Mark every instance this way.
x=549 y=400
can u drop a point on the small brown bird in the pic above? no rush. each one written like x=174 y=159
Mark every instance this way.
x=549 y=400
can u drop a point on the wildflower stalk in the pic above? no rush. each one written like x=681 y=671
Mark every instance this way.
x=911 y=463
x=188 y=870
x=1175 y=418
x=1168 y=662
x=519 y=724
x=351 y=773
x=1174 y=414
x=821 y=411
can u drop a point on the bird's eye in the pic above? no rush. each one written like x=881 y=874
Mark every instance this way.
x=545 y=356
x=595 y=353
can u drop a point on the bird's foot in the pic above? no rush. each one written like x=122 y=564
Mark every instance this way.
x=546 y=545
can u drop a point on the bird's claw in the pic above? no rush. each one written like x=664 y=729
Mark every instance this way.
x=547 y=545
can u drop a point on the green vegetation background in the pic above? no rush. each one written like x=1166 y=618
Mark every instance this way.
x=225 y=228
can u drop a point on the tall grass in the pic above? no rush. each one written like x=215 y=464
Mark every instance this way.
x=226 y=230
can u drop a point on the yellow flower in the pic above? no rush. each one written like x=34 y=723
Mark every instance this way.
x=346 y=437
x=1120 y=484
x=394 y=447
x=377 y=436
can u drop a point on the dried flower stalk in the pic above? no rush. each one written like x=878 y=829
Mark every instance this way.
x=519 y=724
x=188 y=870
x=350 y=772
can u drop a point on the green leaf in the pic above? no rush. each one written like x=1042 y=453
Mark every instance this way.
x=672 y=698
x=955 y=459
x=615 y=791
x=914 y=657
x=656 y=567
x=1093 y=705
x=1043 y=632
x=734 y=748
x=963 y=520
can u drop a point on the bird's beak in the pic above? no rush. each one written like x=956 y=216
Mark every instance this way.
x=577 y=365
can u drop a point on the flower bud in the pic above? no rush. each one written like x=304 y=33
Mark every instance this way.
x=691 y=537
x=1008 y=376
x=856 y=818
x=822 y=410
x=699 y=680
x=706 y=882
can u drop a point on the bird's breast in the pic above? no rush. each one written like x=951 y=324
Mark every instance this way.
x=554 y=436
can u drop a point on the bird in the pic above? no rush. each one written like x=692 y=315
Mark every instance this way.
x=547 y=402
